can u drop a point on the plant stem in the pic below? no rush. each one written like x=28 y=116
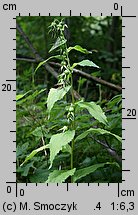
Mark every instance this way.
x=73 y=127
x=73 y=102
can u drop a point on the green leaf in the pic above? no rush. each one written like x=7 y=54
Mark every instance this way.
x=85 y=63
x=66 y=148
x=25 y=170
x=55 y=95
x=43 y=62
x=59 y=176
x=39 y=175
x=97 y=131
x=79 y=48
x=86 y=171
x=34 y=152
x=114 y=101
x=30 y=97
x=21 y=149
x=39 y=131
x=57 y=141
x=59 y=42
x=20 y=96
x=95 y=110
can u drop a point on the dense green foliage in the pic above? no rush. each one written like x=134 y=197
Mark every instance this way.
x=69 y=130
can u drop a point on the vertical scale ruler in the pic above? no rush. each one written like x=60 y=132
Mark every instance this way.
x=67 y=198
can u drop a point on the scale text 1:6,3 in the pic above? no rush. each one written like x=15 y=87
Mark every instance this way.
x=123 y=206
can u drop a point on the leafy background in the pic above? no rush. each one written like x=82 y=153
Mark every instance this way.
x=102 y=36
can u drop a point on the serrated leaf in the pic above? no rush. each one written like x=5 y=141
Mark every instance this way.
x=56 y=95
x=85 y=63
x=34 y=152
x=95 y=110
x=87 y=170
x=59 y=176
x=59 y=42
x=97 y=131
x=57 y=141
x=80 y=49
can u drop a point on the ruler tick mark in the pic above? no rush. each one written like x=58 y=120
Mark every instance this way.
x=129 y=16
x=10 y=80
x=128 y=117
x=118 y=190
x=121 y=10
x=16 y=189
x=67 y=187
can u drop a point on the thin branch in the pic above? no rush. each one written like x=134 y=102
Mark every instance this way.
x=111 y=151
x=27 y=59
x=38 y=58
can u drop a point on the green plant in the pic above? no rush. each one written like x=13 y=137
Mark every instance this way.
x=72 y=132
